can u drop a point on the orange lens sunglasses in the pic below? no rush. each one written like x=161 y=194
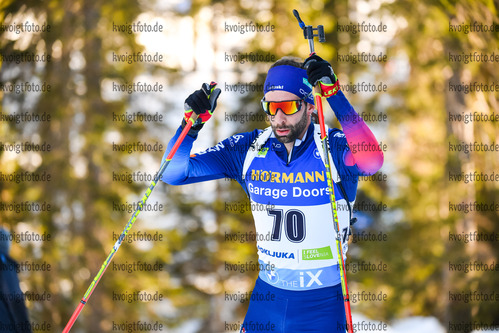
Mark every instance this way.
x=287 y=107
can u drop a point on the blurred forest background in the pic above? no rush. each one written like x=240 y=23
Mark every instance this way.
x=194 y=220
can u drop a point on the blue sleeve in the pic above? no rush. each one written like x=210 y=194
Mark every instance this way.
x=224 y=160
x=365 y=151
x=349 y=175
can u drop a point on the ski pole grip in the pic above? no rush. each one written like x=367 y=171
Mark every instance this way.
x=300 y=22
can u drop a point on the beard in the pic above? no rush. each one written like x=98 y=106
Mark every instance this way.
x=294 y=130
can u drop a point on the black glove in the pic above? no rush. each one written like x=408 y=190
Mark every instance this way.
x=320 y=72
x=202 y=102
x=319 y=69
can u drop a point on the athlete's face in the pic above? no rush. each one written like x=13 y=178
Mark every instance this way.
x=288 y=128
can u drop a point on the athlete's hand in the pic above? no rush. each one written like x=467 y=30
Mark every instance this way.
x=320 y=72
x=203 y=103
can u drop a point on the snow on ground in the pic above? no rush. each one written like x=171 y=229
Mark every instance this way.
x=362 y=324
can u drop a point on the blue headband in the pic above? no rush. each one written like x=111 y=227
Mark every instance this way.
x=291 y=79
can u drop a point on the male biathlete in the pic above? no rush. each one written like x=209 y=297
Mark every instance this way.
x=282 y=167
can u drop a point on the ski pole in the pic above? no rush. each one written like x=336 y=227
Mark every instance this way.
x=132 y=219
x=308 y=32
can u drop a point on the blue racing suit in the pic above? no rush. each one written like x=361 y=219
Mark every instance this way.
x=305 y=278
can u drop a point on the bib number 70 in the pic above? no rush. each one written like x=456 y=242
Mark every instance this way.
x=293 y=223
